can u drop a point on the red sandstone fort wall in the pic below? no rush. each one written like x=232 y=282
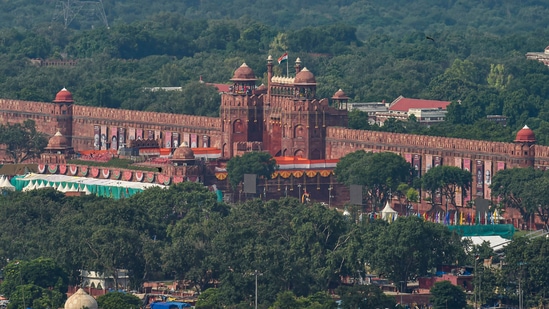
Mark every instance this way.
x=16 y=111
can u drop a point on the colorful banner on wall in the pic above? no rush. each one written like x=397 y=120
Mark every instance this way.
x=150 y=135
x=428 y=162
x=139 y=134
x=167 y=139
x=479 y=178
x=205 y=141
x=408 y=157
x=459 y=192
x=194 y=140
x=114 y=138
x=96 y=137
x=131 y=135
x=437 y=161
x=501 y=165
x=186 y=139
x=467 y=167
x=157 y=135
x=487 y=179
x=121 y=137
x=104 y=138
x=416 y=163
x=175 y=138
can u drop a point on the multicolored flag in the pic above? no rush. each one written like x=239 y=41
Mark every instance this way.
x=283 y=58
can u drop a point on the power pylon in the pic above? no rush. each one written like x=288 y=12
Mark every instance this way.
x=68 y=10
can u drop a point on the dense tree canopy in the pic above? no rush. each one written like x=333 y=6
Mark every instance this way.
x=259 y=163
x=22 y=141
x=448 y=180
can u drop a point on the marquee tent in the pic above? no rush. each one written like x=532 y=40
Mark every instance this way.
x=100 y=187
x=388 y=213
x=5 y=184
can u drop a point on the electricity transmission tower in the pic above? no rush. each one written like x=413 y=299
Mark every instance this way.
x=68 y=10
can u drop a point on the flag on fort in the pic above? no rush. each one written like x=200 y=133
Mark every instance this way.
x=283 y=58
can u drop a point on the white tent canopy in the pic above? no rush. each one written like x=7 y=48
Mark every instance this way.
x=388 y=213
x=5 y=184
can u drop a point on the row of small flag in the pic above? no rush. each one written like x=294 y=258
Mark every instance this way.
x=448 y=218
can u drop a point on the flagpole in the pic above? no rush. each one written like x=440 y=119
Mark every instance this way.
x=287 y=67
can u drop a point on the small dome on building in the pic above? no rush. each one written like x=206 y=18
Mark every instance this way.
x=80 y=300
x=262 y=87
x=183 y=152
x=244 y=72
x=305 y=77
x=58 y=141
x=63 y=96
x=525 y=135
x=340 y=95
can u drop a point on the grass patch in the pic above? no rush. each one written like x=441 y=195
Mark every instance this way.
x=114 y=162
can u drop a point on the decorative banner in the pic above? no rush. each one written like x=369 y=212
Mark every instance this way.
x=157 y=135
x=150 y=134
x=84 y=171
x=62 y=169
x=186 y=138
x=459 y=192
x=52 y=169
x=501 y=165
x=274 y=175
x=437 y=161
x=105 y=173
x=96 y=137
x=467 y=167
x=179 y=179
x=479 y=178
x=416 y=163
x=311 y=174
x=41 y=168
x=127 y=175
x=285 y=174
x=116 y=174
x=175 y=143
x=149 y=177
x=487 y=179
x=94 y=172
x=73 y=169
x=121 y=137
x=167 y=139
x=428 y=162
x=139 y=134
x=219 y=176
x=408 y=157
x=163 y=179
x=139 y=176
x=104 y=138
x=131 y=135
x=298 y=174
x=205 y=141
x=325 y=173
x=194 y=140
x=114 y=138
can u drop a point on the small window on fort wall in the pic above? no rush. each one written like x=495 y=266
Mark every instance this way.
x=526 y=153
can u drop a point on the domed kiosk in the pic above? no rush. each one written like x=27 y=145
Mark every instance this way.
x=183 y=155
x=80 y=300
x=63 y=96
x=525 y=135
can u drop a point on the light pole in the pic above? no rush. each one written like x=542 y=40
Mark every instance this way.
x=330 y=188
x=401 y=291
x=299 y=188
x=256 y=273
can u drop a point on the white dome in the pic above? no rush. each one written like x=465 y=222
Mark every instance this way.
x=80 y=300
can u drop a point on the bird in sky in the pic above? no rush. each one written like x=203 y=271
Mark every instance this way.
x=429 y=38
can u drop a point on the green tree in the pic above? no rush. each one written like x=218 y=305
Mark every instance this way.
x=446 y=295
x=118 y=300
x=364 y=296
x=380 y=174
x=447 y=180
x=22 y=141
x=510 y=186
x=411 y=247
x=260 y=163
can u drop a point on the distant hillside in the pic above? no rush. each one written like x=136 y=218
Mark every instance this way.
x=380 y=17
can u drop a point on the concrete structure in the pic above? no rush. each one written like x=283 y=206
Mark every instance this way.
x=542 y=57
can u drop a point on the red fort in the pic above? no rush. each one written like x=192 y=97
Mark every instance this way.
x=306 y=134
